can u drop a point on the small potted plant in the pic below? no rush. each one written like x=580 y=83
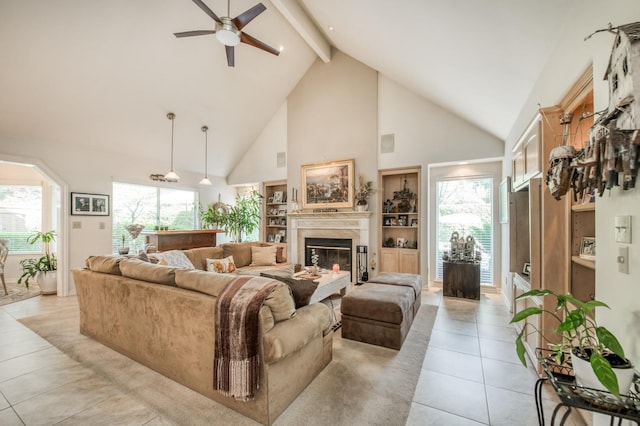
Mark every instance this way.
x=122 y=249
x=42 y=270
x=362 y=193
x=593 y=349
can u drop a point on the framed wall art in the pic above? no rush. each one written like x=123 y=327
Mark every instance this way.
x=89 y=204
x=327 y=185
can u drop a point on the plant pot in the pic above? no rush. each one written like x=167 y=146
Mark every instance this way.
x=362 y=207
x=585 y=376
x=48 y=282
x=123 y=250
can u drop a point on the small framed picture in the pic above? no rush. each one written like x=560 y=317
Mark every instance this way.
x=271 y=238
x=414 y=222
x=282 y=212
x=401 y=242
x=89 y=204
x=588 y=248
x=526 y=269
x=387 y=221
x=394 y=221
x=403 y=220
x=270 y=200
x=283 y=221
x=277 y=238
x=277 y=196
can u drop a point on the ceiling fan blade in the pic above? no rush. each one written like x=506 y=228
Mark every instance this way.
x=230 y=56
x=251 y=41
x=194 y=33
x=208 y=11
x=244 y=18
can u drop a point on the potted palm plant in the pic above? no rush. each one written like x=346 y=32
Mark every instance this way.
x=42 y=270
x=241 y=218
x=593 y=350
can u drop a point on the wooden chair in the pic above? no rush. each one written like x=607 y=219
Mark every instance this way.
x=4 y=251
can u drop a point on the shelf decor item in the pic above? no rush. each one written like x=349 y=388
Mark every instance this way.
x=362 y=194
x=588 y=248
x=328 y=185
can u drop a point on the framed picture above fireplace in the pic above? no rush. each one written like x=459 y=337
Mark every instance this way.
x=327 y=185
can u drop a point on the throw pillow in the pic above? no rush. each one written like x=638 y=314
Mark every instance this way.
x=175 y=258
x=281 y=255
x=263 y=256
x=281 y=303
x=221 y=266
x=241 y=253
x=301 y=288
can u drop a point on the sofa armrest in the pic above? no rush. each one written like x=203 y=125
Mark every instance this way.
x=291 y=335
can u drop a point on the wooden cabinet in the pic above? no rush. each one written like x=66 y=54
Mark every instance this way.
x=526 y=154
x=180 y=240
x=274 y=216
x=399 y=195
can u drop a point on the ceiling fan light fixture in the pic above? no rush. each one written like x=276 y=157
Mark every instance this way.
x=171 y=176
x=205 y=180
x=227 y=33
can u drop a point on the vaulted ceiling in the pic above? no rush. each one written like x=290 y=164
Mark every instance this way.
x=103 y=75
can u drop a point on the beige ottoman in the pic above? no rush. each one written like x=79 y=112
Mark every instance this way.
x=379 y=314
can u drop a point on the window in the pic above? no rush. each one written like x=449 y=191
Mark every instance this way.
x=20 y=215
x=466 y=206
x=152 y=207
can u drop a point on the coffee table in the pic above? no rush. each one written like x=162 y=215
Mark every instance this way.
x=329 y=283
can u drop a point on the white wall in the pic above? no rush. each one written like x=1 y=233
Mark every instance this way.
x=259 y=164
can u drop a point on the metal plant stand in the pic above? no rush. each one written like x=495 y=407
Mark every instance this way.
x=571 y=395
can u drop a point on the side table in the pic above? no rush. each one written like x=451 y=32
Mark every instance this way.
x=572 y=395
x=461 y=280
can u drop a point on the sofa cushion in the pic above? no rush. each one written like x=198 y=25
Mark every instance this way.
x=241 y=253
x=263 y=256
x=221 y=266
x=281 y=254
x=281 y=303
x=202 y=281
x=175 y=258
x=290 y=336
x=145 y=271
x=301 y=288
x=104 y=264
x=198 y=256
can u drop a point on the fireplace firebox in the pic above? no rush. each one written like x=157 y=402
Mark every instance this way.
x=330 y=251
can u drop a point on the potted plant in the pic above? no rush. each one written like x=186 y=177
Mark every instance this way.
x=43 y=269
x=122 y=249
x=362 y=193
x=583 y=339
x=243 y=217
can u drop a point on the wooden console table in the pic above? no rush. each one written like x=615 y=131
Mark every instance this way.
x=180 y=240
x=461 y=280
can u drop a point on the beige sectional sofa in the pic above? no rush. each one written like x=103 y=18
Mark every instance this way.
x=163 y=317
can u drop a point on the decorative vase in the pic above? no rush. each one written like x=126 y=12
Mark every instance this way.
x=315 y=270
x=48 y=282
x=585 y=376
x=362 y=207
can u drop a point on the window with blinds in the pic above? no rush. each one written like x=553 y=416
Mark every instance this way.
x=20 y=215
x=466 y=206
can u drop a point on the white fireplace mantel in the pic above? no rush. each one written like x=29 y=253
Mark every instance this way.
x=353 y=225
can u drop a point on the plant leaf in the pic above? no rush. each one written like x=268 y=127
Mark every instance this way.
x=520 y=350
x=526 y=313
x=534 y=292
x=607 y=338
x=572 y=321
x=592 y=304
x=604 y=373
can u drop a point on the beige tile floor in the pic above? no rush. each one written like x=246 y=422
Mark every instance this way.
x=470 y=374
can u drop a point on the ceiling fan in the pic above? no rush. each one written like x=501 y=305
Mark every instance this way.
x=229 y=30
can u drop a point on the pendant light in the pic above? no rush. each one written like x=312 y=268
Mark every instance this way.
x=171 y=176
x=205 y=180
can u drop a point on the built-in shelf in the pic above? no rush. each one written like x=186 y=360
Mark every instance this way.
x=591 y=264
x=586 y=207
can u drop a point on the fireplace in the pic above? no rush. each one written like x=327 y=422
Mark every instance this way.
x=330 y=251
x=352 y=228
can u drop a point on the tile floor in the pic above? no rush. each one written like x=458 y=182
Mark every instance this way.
x=470 y=374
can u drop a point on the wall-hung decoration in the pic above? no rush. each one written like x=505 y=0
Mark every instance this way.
x=89 y=204
x=328 y=185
